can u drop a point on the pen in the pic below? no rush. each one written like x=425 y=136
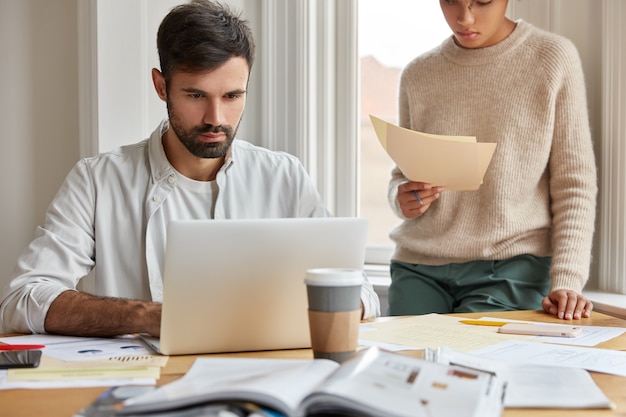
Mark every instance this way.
x=487 y=322
x=417 y=196
x=21 y=347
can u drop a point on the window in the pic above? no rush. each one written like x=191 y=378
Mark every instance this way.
x=389 y=37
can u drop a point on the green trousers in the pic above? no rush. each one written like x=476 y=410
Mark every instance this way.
x=519 y=283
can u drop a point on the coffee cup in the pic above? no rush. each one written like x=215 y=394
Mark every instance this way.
x=334 y=296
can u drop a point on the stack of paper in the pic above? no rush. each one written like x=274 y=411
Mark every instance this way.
x=453 y=162
x=84 y=362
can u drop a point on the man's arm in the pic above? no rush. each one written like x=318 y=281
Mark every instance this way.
x=370 y=304
x=74 y=313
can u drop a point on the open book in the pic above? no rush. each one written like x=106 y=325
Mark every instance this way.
x=374 y=383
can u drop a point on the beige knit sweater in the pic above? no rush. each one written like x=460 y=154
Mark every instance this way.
x=527 y=94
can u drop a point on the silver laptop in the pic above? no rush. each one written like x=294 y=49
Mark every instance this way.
x=238 y=285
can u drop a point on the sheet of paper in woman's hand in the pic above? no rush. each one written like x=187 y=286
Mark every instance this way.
x=453 y=162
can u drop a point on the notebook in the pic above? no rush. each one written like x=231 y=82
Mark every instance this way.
x=238 y=285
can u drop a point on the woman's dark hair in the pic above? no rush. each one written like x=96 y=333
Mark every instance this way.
x=201 y=35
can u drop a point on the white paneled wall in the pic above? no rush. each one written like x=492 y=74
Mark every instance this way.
x=612 y=226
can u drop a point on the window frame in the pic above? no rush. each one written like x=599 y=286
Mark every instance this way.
x=325 y=63
x=311 y=108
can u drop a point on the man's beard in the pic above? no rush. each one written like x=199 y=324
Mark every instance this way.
x=189 y=138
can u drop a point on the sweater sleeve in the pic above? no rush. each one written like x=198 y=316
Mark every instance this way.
x=573 y=186
x=397 y=177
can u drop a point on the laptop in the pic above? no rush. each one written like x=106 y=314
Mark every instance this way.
x=238 y=285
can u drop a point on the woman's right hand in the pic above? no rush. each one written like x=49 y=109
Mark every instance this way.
x=415 y=197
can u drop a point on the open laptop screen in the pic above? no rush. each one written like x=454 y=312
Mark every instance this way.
x=238 y=285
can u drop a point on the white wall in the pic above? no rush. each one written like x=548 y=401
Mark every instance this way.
x=38 y=114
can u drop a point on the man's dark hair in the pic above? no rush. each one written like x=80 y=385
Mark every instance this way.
x=201 y=35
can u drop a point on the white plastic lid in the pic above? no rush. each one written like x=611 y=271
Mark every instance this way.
x=334 y=277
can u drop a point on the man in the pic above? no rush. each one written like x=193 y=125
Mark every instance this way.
x=112 y=210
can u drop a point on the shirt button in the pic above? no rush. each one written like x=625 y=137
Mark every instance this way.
x=171 y=179
x=156 y=198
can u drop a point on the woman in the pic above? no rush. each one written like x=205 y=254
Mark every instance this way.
x=523 y=239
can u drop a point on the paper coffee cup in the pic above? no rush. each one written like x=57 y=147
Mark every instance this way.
x=334 y=296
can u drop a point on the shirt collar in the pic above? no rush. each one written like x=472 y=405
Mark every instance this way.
x=160 y=167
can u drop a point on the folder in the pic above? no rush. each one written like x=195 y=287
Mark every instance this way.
x=453 y=162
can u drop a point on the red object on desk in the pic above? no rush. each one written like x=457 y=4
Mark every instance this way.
x=21 y=347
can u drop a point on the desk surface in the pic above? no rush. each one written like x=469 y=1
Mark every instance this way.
x=67 y=402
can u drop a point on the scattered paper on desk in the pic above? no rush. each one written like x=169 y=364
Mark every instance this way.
x=69 y=348
x=82 y=373
x=591 y=335
x=454 y=162
x=391 y=347
x=535 y=386
x=522 y=352
x=77 y=374
x=83 y=383
x=433 y=331
x=84 y=362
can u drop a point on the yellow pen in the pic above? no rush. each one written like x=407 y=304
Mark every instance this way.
x=486 y=322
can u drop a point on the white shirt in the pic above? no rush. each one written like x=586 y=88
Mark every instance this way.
x=108 y=215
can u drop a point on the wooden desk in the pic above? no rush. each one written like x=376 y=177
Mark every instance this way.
x=67 y=402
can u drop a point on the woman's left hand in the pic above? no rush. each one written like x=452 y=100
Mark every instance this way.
x=567 y=305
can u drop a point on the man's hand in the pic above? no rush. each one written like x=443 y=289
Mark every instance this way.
x=567 y=305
